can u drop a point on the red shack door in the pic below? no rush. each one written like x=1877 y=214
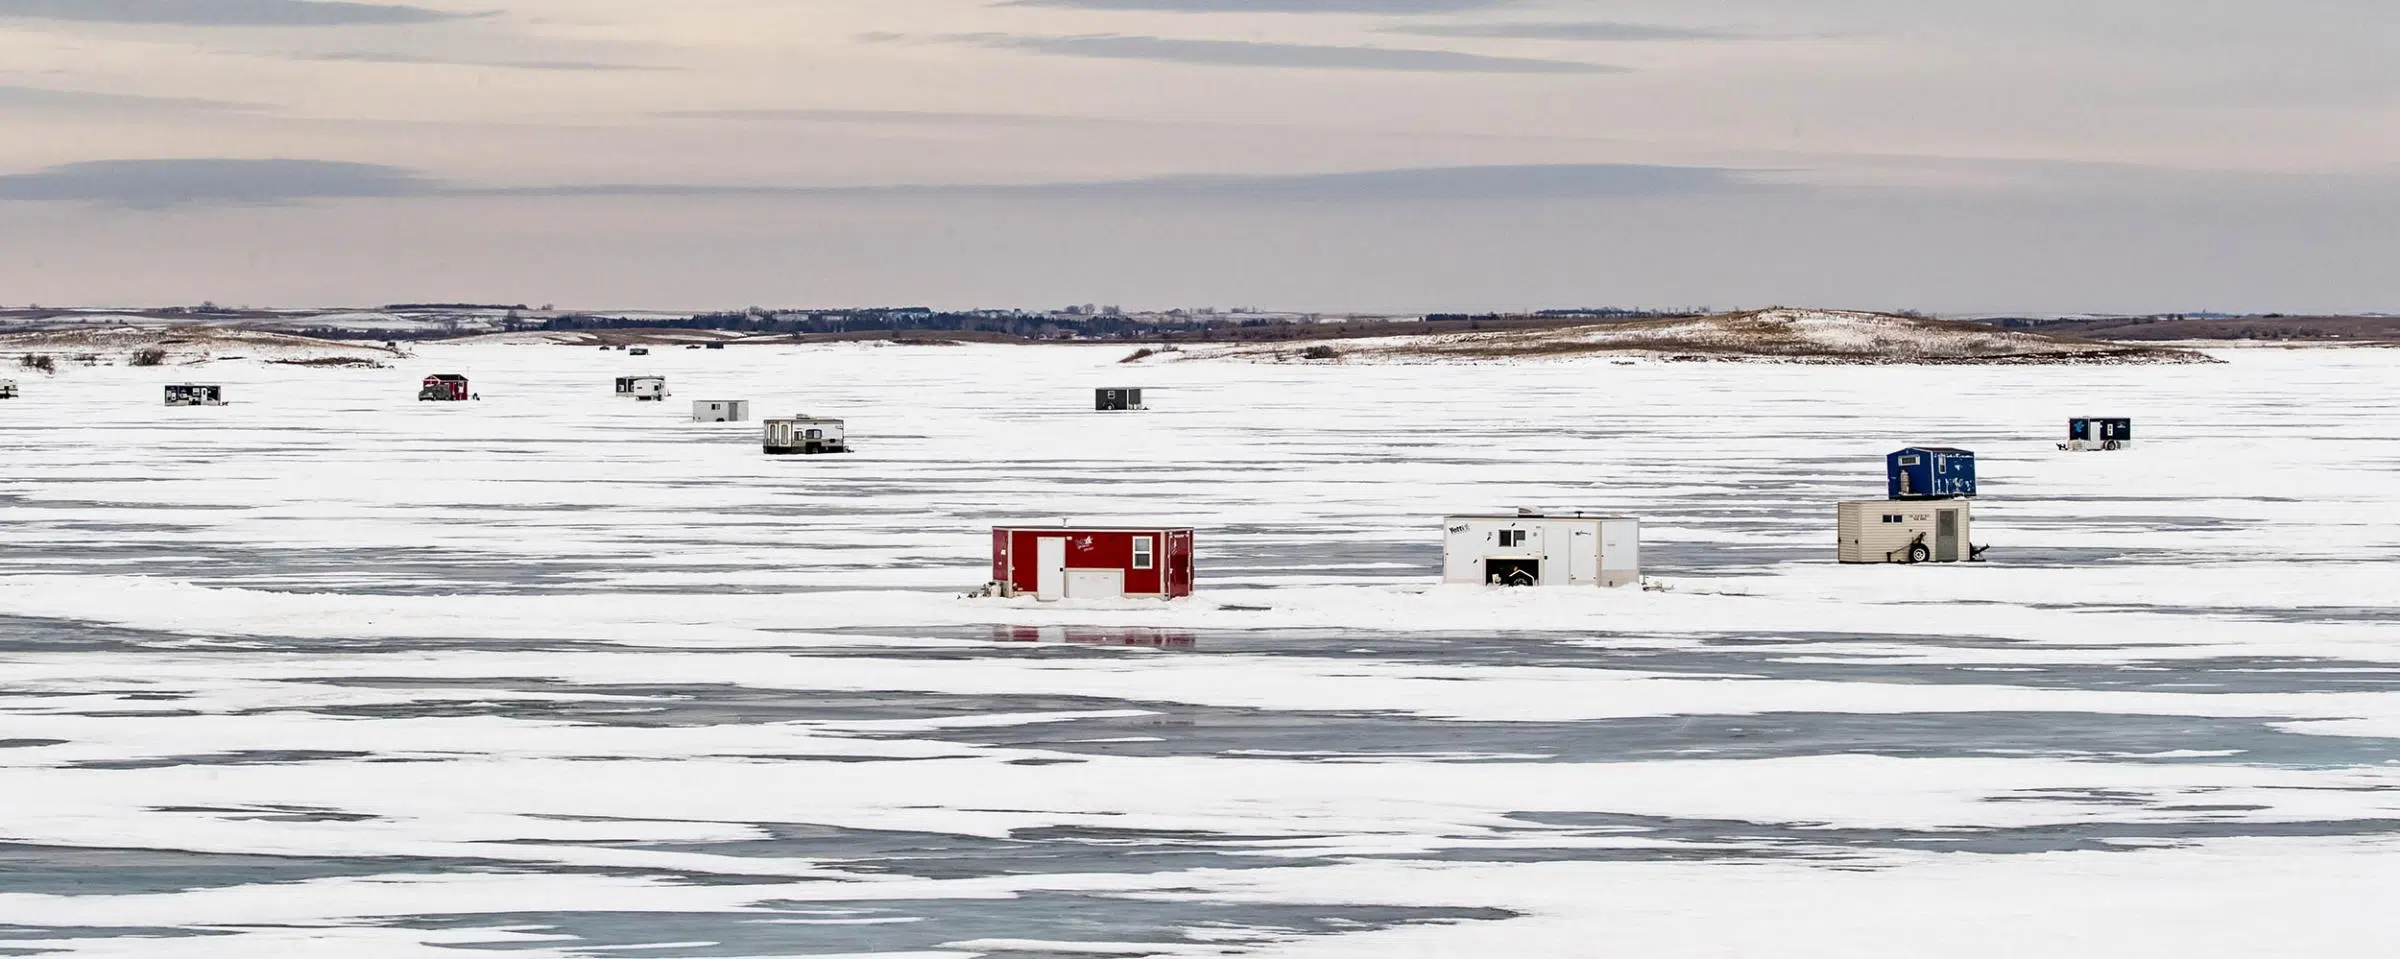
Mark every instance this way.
x=1000 y=571
x=1179 y=563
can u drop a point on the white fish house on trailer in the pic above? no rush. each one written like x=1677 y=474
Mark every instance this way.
x=1907 y=531
x=1542 y=549
x=805 y=435
x=720 y=411
x=646 y=388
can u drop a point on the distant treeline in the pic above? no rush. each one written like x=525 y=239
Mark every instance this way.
x=1170 y=328
x=866 y=321
x=2039 y=322
x=919 y=321
x=2189 y=326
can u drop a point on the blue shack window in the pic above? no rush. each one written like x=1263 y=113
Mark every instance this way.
x=1908 y=461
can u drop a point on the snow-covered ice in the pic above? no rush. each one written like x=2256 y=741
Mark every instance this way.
x=330 y=671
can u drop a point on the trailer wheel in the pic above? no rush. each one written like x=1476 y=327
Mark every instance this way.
x=1920 y=553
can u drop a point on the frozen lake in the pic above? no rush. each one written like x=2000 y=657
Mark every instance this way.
x=333 y=672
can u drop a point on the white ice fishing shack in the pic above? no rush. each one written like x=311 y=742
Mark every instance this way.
x=8 y=389
x=720 y=411
x=805 y=434
x=645 y=388
x=1542 y=549
x=1907 y=531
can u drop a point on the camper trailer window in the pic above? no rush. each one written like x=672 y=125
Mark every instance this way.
x=1143 y=554
x=1512 y=537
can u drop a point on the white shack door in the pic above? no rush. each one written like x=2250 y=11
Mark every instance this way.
x=1050 y=567
x=1583 y=558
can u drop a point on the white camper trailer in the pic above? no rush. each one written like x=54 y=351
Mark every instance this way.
x=645 y=388
x=1542 y=549
x=805 y=434
x=1907 y=531
x=720 y=411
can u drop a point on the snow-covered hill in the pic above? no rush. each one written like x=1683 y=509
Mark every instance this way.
x=628 y=336
x=184 y=345
x=1774 y=335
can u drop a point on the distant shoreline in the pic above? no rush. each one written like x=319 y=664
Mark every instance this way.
x=437 y=322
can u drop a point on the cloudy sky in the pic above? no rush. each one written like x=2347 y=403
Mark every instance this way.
x=1308 y=154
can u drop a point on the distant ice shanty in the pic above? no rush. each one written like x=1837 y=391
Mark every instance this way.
x=720 y=411
x=637 y=351
x=805 y=434
x=1532 y=548
x=2098 y=433
x=1117 y=399
x=1907 y=531
x=8 y=389
x=1092 y=562
x=715 y=346
x=195 y=394
x=1930 y=472
x=644 y=388
x=444 y=388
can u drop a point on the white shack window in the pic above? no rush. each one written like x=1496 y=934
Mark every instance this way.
x=1512 y=537
x=1144 y=554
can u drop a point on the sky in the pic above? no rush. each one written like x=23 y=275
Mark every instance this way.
x=1327 y=155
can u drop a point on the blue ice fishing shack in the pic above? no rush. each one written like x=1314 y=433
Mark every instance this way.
x=1930 y=472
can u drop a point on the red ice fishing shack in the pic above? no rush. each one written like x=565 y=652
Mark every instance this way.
x=1092 y=562
x=444 y=387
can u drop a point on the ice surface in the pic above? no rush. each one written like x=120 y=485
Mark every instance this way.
x=330 y=671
